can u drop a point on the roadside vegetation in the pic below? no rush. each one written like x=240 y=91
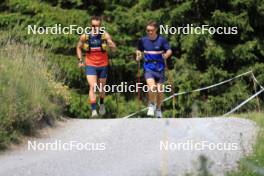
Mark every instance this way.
x=252 y=165
x=29 y=92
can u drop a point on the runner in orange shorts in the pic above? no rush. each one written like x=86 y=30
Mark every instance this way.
x=96 y=61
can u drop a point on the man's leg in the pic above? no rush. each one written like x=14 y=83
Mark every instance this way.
x=92 y=80
x=161 y=77
x=102 y=76
x=159 y=95
x=102 y=82
x=151 y=96
x=151 y=93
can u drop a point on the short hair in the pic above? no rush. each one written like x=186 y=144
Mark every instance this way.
x=97 y=18
x=152 y=23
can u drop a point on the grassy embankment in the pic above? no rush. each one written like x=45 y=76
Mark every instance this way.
x=29 y=92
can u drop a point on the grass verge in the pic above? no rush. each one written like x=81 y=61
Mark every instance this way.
x=253 y=165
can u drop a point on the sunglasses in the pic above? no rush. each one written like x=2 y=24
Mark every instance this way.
x=150 y=30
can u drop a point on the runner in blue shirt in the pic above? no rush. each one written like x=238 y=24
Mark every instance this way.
x=156 y=48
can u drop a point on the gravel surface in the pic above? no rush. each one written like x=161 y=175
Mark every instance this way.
x=134 y=147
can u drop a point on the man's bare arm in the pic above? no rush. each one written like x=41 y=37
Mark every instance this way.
x=79 y=47
x=138 y=55
x=110 y=42
x=167 y=54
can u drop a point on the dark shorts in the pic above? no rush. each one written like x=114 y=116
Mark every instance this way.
x=159 y=77
x=100 y=72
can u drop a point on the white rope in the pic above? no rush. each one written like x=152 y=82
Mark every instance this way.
x=244 y=102
x=208 y=87
x=130 y=115
x=255 y=79
x=250 y=98
x=196 y=90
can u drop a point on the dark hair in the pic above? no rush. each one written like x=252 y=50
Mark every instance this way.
x=97 y=18
x=153 y=23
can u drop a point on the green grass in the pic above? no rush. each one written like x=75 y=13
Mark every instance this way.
x=253 y=165
x=28 y=91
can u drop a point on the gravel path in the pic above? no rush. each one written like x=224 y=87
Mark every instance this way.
x=134 y=147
